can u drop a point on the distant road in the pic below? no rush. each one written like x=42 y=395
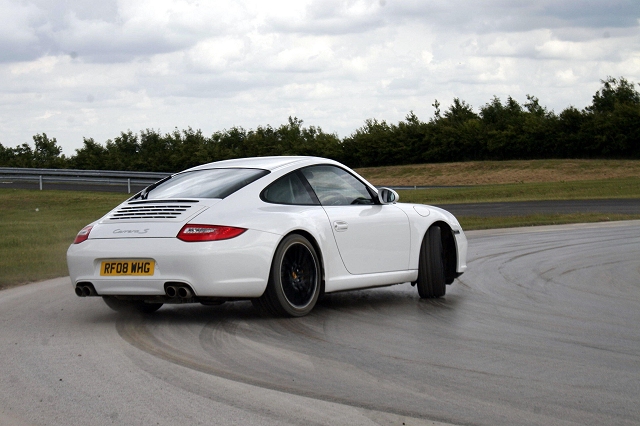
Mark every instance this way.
x=522 y=208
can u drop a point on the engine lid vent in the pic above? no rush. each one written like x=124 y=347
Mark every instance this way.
x=144 y=211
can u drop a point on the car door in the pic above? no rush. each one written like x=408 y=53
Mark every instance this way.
x=370 y=237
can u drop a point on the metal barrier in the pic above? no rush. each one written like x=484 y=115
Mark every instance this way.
x=100 y=177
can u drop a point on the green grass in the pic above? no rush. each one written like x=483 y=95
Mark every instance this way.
x=500 y=172
x=37 y=227
x=574 y=190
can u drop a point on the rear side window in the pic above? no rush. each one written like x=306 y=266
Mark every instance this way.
x=289 y=189
x=337 y=187
x=208 y=183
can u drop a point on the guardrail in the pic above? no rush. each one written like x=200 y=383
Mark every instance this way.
x=101 y=177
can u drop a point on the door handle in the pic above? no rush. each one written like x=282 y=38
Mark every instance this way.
x=340 y=225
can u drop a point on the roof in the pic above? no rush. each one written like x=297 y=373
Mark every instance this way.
x=266 y=163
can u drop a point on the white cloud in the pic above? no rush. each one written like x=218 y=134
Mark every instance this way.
x=216 y=54
x=95 y=69
x=21 y=29
x=329 y=17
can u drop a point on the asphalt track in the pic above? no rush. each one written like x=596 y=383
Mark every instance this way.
x=542 y=329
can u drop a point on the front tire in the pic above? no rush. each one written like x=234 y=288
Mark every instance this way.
x=130 y=306
x=294 y=280
x=431 y=279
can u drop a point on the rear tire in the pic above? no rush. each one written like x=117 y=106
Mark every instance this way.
x=431 y=279
x=294 y=280
x=130 y=306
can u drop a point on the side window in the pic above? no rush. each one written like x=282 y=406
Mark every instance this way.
x=336 y=187
x=288 y=189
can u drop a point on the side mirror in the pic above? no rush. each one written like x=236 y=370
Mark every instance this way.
x=387 y=196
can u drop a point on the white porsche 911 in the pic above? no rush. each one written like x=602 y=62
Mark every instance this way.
x=281 y=231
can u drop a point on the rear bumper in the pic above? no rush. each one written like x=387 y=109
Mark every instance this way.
x=238 y=267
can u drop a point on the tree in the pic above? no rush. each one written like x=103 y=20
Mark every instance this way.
x=539 y=138
x=569 y=133
x=22 y=156
x=612 y=123
x=371 y=145
x=502 y=128
x=185 y=149
x=92 y=156
x=47 y=153
x=614 y=92
x=455 y=136
x=459 y=112
x=122 y=152
x=6 y=154
x=609 y=127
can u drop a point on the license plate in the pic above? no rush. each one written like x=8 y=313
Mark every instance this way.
x=136 y=267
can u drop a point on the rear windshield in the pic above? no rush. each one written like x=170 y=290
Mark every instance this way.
x=209 y=183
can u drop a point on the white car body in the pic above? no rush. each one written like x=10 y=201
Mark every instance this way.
x=359 y=246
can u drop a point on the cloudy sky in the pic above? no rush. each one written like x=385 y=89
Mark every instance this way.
x=85 y=68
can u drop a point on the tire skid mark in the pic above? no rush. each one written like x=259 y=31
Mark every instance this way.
x=219 y=339
x=525 y=331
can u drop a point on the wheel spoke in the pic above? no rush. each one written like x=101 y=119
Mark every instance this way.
x=298 y=275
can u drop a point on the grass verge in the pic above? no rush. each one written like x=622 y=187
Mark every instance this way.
x=500 y=172
x=573 y=190
x=36 y=228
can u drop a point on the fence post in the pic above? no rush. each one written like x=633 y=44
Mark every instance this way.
x=40 y=182
x=128 y=185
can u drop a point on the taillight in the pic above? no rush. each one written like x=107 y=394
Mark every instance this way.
x=83 y=234
x=192 y=233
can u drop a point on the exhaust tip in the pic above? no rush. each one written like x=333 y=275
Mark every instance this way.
x=87 y=291
x=175 y=290
x=184 y=292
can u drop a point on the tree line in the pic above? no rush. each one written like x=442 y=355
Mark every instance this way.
x=500 y=130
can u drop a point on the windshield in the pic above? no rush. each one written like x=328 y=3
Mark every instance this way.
x=208 y=183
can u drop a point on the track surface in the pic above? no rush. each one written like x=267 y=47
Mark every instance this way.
x=542 y=329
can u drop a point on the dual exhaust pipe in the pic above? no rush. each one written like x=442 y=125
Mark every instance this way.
x=181 y=291
x=85 y=290
x=173 y=291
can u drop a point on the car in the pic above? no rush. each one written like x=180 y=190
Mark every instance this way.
x=279 y=231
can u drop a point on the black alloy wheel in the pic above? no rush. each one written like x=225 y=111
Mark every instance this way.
x=294 y=282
